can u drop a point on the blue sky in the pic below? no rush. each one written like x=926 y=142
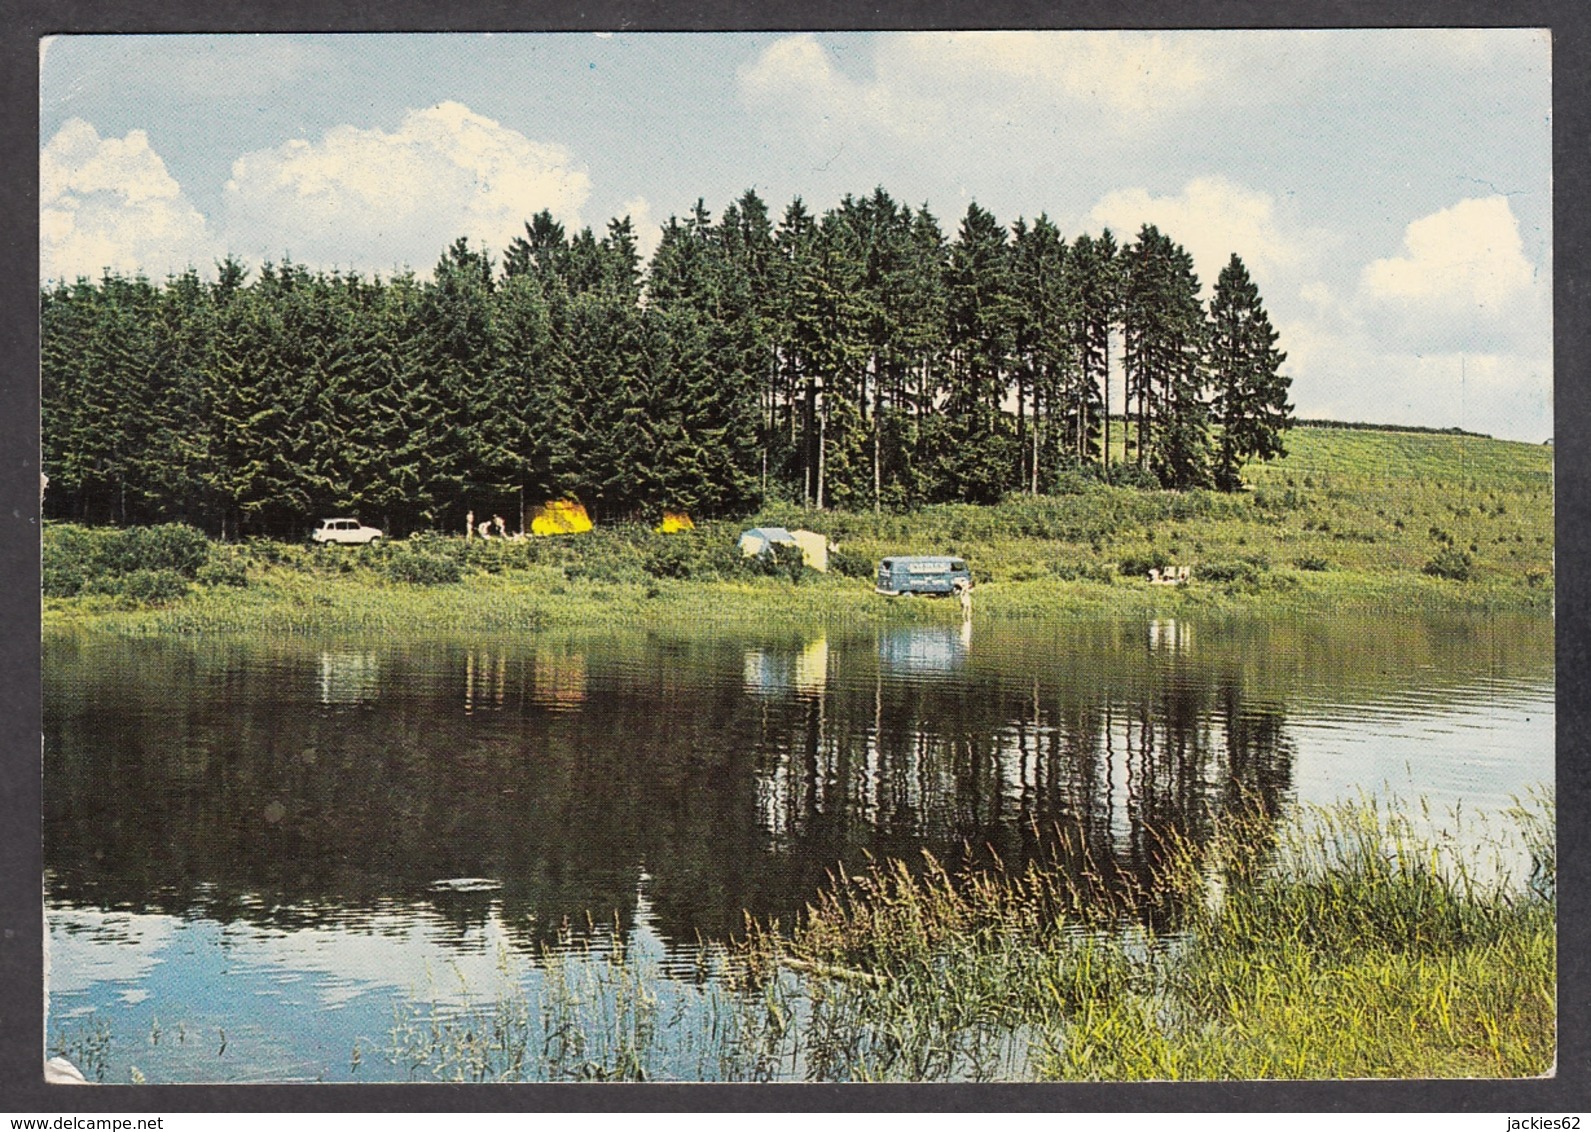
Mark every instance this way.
x=1390 y=191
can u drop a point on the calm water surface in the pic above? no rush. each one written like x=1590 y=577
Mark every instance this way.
x=257 y=851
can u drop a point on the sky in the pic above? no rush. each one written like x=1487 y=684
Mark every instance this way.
x=1388 y=190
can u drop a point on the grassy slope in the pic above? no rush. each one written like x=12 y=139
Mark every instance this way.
x=1364 y=511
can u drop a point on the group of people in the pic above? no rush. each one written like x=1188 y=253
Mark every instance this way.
x=484 y=528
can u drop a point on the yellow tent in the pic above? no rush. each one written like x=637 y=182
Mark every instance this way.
x=814 y=549
x=560 y=517
x=675 y=521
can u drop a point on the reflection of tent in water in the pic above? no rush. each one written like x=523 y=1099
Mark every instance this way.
x=484 y=677
x=560 y=517
x=1170 y=635
x=761 y=540
x=348 y=677
x=806 y=671
x=924 y=650
x=560 y=678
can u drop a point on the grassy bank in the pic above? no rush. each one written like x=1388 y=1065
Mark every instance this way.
x=1341 y=947
x=1349 y=520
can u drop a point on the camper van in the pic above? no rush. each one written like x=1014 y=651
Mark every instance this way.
x=938 y=576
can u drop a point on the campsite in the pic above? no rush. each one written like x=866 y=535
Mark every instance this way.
x=1348 y=520
x=796 y=557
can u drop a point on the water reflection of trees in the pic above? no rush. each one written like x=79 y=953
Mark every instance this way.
x=304 y=785
x=986 y=769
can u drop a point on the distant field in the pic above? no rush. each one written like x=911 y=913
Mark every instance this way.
x=1349 y=519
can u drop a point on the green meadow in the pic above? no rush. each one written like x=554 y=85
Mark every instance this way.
x=1349 y=519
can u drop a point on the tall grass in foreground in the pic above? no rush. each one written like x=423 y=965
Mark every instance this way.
x=1341 y=945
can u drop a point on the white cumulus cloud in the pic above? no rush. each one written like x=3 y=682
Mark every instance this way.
x=374 y=200
x=1213 y=217
x=111 y=203
x=1466 y=260
x=1453 y=329
x=1132 y=73
x=795 y=85
x=1461 y=283
x=934 y=85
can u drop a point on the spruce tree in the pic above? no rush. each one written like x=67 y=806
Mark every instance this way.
x=1094 y=292
x=795 y=242
x=1250 y=393
x=1043 y=325
x=976 y=458
x=1163 y=332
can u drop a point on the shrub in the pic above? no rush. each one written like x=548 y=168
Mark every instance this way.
x=1075 y=480
x=1131 y=475
x=1276 y=501
x=422 y=568
x=61 y=580
x=145 y=587
x=787 y=561
x=1141 y=564
x=689 y=554
x=603 y=570
x=671 y=557
x=490 y=555
x=1451 y=563
x=272 y=553
x=780 y=560
x=850 y=564
x=76 y=559
x=1311 y=562
x=1241 y=571
x=1084 y=572
x=171 y=546
x=66 y=559
x=224 y=570
x=1191 y=505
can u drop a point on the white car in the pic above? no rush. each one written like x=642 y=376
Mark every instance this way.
x=349 y=532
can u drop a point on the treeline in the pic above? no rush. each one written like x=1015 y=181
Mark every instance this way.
x=858 y=359
x=1365 y=426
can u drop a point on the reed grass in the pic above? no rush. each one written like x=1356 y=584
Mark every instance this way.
x=1342 y=944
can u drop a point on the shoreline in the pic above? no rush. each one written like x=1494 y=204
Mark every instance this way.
x=1349 y=521
x=529 y=601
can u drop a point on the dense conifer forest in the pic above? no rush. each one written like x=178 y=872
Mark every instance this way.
x=861 y=359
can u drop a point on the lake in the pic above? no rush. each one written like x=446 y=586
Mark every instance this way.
x=261 y=854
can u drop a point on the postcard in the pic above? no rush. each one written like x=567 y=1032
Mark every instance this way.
x=798 y=557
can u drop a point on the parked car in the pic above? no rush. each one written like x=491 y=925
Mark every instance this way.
x=348 y=532
x=923 y=574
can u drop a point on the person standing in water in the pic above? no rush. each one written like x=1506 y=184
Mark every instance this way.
x=964 y=591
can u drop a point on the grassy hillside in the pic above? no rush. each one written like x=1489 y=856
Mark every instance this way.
x=1349 y=519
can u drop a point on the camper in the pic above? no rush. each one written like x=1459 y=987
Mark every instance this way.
x=939 y=576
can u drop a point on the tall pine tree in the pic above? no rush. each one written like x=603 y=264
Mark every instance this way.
x=1250 y=392
x=1163 y=325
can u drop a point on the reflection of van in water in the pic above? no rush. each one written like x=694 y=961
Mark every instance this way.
x=923 y=575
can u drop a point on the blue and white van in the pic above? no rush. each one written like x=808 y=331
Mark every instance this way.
x=923 y=574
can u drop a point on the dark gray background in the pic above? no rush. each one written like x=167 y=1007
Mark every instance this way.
x=21 y=927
